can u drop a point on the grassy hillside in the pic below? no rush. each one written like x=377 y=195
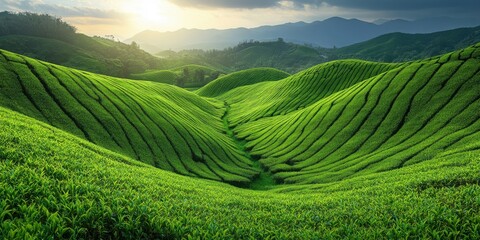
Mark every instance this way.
x=358 y=150
x=50 y=39
x=90 y=54
x=285 y=56
x=160 y=76
x=399 y=116
x=56 y=185
x=298 y=91
x=241 y=78
x=161 y=125
x=189 y=76
x=292 y=58
x=398 y=47
x=52 y=50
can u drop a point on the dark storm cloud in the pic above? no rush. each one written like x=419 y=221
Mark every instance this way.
x=393 y=5
x=375 y=5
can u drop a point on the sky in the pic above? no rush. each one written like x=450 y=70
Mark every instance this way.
x=125 y=18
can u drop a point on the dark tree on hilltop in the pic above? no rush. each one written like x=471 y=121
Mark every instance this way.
x=199 y=76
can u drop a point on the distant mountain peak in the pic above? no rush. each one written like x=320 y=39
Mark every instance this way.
x=334 y=31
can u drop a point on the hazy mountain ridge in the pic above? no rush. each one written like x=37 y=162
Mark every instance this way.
x=397 y=47
x=332 y=32
x=291 y=57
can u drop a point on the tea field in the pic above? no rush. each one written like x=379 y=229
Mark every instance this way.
x=347 y=149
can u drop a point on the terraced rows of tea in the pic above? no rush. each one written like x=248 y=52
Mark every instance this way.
x=157 y=124
x=298 y=91
x=240 y=78
x=344 y=150
x=327 y=123
x=407 y=114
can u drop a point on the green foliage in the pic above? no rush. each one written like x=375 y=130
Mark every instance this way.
x=241 y=78
x=188 y=76
x=398 y=47
x=55 y=185
x=344 y=150
x=50 y=39
x=292 y=58
x=39 y=25
x=298 y=91
x=288 y=57
x=161 y=76
x=400 y=115
x=158 y=124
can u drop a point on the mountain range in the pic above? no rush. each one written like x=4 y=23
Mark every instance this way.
x=329 y=33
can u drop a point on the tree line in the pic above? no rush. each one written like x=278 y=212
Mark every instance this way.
x=38 y=25
x=109 y=57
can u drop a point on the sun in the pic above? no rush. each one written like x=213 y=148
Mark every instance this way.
x=150 y=12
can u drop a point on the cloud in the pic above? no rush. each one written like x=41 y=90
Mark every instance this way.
x=407 y=9
x=373 y=5
x=393 y=5
x=246 y=4
x=39 y=6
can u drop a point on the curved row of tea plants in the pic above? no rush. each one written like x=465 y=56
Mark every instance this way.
x=413 y=113
x=298 y=91
x=56 y=185
x=158 y=124
x=240 y=78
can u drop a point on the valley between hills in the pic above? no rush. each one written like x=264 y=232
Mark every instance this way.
x=344 y=149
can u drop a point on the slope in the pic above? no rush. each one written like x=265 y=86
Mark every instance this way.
x=56 y=185
x=279 y=54
x=190 y=75
x=298 y=91
x=56 y=51
x=398 y=47
x=397 y=117
x=161 y=76
x=240 y=78
x=293 y=58
x=48 y=38
x=161 y=125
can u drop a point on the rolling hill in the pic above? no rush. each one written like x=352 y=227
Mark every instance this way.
x=293 y=58
x=50 y=39
x=345 y=149
x=398 y=47
x=278 y=54
x=143 y=120
x=241 y=78
x=54 y=184
x=298 y=91
x=412 y=113
x=189 y=76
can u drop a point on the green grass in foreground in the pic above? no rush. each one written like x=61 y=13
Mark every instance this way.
x=56 y=185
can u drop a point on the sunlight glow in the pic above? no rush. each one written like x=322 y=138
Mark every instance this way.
x=151 y=12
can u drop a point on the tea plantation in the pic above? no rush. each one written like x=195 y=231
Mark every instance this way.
x=345 y=150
